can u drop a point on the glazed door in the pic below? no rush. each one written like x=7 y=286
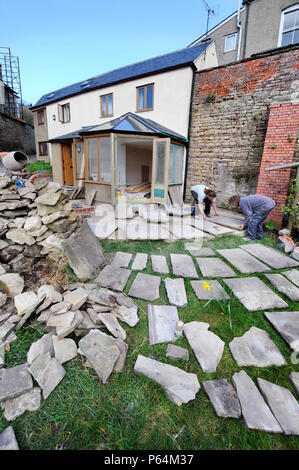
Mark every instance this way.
x=67 y=163
x=114 y=166
x=159 y=193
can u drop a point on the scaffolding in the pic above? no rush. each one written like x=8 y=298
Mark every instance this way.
x=10 y=72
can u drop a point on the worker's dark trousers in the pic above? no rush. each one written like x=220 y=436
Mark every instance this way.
x=255 y=225
x=206 y=202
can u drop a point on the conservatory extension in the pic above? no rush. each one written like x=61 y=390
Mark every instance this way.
x=129 y=158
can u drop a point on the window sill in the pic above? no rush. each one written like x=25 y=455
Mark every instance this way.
x=144 y=110
x=97 y=182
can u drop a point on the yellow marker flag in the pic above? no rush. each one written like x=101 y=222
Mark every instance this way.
x=205 y=285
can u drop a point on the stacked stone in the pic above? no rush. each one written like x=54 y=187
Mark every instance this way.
x=38 y=217
x=81 y=310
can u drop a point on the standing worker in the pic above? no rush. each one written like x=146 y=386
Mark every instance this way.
x=204 y=196
x=256 y=208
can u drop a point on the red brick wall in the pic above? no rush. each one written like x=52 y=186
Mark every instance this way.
x=279 y=149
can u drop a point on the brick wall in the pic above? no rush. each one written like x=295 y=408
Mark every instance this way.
x=278 y=150
x=230 y=110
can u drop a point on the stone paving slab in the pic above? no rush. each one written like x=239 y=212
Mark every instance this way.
x=122 y=259
x=15 y=407
x=162 y=320
x=292 y=275
x=201 y=251
x=146 y=287
x=215 y=290
x=294 y=378
x=140 y=262
x=255 y=348
x=180 y=386
x=104 y=227
x=159 y=264
x=8 y=440
x=254 y=294
x=226 y=222
x=255 y=411
x=287 y=325
x=284 y=286
x=183 y=266
x=211 y=228
x=176 y=292
x=207 y=347
x=223 y=398
x=242 y=261
x=283 y=405
x=113 y=277
x=177 y=352
x=214 y=267
x=14 y=381
x=184 y=231
x=270 y=256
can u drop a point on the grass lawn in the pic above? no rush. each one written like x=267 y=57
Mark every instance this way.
x=133 y=412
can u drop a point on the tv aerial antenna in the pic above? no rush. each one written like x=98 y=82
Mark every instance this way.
x=210 y=12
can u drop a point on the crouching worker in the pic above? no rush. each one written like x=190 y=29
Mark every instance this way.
x=204 y=197
x=256 y=209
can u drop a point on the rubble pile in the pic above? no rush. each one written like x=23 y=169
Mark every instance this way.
x=87 y=312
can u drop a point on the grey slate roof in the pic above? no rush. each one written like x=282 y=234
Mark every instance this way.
x=128 y=123
x=171 y=60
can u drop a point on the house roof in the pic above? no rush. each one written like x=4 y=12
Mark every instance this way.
x=129 y=123
x=161 y=63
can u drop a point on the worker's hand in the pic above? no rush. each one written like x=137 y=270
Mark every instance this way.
x=204 y=216
x=241 y=226
x=217 y=213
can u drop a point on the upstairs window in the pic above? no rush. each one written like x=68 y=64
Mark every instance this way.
x=40 y=117
x=145 y=98
x=106 y=105
x=289 y=27
x=230 y=42
x=64 y=112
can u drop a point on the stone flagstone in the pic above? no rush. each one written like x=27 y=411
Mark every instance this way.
x=255 y=348
x=214 y=267
x=64 y=349
x=211 y=228
x=283 y=405
x=176 y=292
x=39 y=347
x=209 y=290
x=223 y=398
x=207 y=347
x=284 y=286
x=242 y=261
x=146 y=287
x=113 y=277
x=185 y=231
x=180 y=386
x=292 y=275
x=183 y=266
x=140 y=262
x=127 y=314
x=51 y=377
x=122 y=259
x=162 y=320
x=254 y=294
x=14 y=381
x=8 y=440
x=270 y=256
x=177 y=353
x=28 y=401
x=101 y=351
x=159 y=264
x=287 y=325
x=76 y=297
x=229 y=222
x=294 y=378
x=201 y=251
x=255 y=411
x=111 y=323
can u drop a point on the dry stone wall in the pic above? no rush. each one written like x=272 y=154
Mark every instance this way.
x=230 y=110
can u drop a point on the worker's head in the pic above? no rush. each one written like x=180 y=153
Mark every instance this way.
x=210 y=194
x=234 y=201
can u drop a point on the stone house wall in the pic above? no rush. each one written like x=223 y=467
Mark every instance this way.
x=16 y=135
x=230 y=110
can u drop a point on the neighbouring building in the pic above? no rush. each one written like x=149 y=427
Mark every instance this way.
x=259 y=25
x=125 y=127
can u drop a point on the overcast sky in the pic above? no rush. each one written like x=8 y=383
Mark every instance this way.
x=60 y=42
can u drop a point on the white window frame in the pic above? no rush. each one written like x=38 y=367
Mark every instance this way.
x=235 y=45
x=287 y=10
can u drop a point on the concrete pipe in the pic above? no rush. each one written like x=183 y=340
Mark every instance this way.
x=14 y=161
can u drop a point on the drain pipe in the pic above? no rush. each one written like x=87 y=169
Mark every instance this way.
x=240 y=28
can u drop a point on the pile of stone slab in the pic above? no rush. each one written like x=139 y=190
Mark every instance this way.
x=89 y=313
x=34 y=219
